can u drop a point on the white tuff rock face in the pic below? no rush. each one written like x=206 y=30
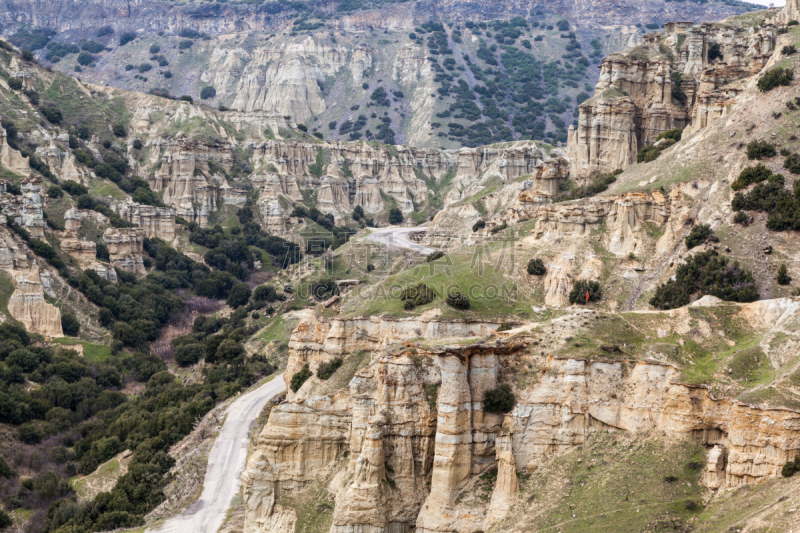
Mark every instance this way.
x=125 y=248
x=28 y=306
x=414 y=415
x=156 y=222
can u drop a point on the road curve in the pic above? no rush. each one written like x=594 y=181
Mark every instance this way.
x=398 y=238
x=226 y=462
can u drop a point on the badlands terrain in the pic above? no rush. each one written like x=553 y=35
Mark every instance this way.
x=368 y=266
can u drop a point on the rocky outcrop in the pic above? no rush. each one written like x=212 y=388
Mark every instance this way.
x=670 y=82
x=84 y=251
x=61 y=161
x=790 y=12
x=10 y=158
x=12 y=257
x=157 y=222
x=185 y=173
x=417 y=434
x=32 y=214
x=125 y=248
x=28 y=306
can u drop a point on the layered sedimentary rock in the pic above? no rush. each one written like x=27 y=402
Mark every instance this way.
x=185 y=177
x=28 y=306
x=31 y=214
x=12 y=159
x=157 y=222
x=125 y=248
x=84 y=251
x=61 y=161
x=623 y=215
x=670 y=82
x=417 y=435
x=12 y=257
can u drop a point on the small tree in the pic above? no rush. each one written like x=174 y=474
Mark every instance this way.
x=456 y=300
x=189 y=354
x=500 y=400
x=395 y=216
x=479 y=225
x=328 y=368
x=775 y=77
x=758 y=149
x=698 y=235
x=70 y=324
x=154 y=49
x=783 y=275
x=741 y=218
x=119 y=130
x=582 y=288
x=54 y=191
x=299 y=378
x=85 y=59
x=239 y=296
x=536 y=267
x=126 y=37
x=208 y=92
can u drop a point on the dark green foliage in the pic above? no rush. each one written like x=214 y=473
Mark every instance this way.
x=70 y=324
x=675 y=135
x=479 y=225
x=703 y=274
x=417 y=295
x=52 y=114
x=85 y=59
x=126 y=37
x=239 y=295
x=395 y=216
x=598 y=184
x=651 y=153
x=434 y=256
x=92 y=47
x=536 y=267
x=771 y=197
x=698 y=235
x=5 y=520
x=54 y=191
x=265 y=293
x=714 y=52
x=137 y=144
x=5 y=470
x=154 y=49
x=15 y=84
x=783 y=277
x=500 y=400
x=299 y=378
x=759 y=149
x=789 y=50
x=579 y=291
x=189 y=354
x=324 y=289
x=30 y=433
x=208 y=92
x=34 y=39
x=186 y=98
x=456 y=300
x=775 y=77
x=791 y=467
x=751 y=175
x=183 y=45
x=327 y=369
x=792 y=163
x=741 y=218
x=119 y=130
x=380 y=97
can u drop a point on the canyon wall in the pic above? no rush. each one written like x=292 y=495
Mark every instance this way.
x=27 y=305
x=408 y=434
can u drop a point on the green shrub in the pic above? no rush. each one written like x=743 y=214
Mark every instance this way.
x=299 y=378
x=239 y=295
x=15 y=83
x=792 y=23
x=85 y=59
x=5 y=520
x=651 y=153
x=456 y=300
x=186 y=98
x=70 y=324
x=154 y=49
x=395 y=216
x=52 y=114
x=498 y=229
x=5 y=469
x=265 y=293
x=759 y=149
x=775 y=77
x=324 y=289
x=126 y=37
x=189 y=354
x=417 y=295
x=791 y=467
x=137 y=144
x=54 y=191
x=536 y=267
x=119 y=130
x=327 y=369
x=789 y=50
x=500 y=400
x=30 y=434
x=675 y=135
x=771 y=197
x=698 y=235
x=598 y=184
x=792 y=163
x=741 y=218
x=783 y=275
x=751 y=175
x=703 y=274
x=434 y=256
x=583 y=287
x=208 y=92
x=479 y=225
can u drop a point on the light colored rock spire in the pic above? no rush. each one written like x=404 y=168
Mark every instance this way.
x=791 y=11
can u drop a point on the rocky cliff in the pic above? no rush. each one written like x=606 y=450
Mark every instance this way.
x=27 y=305
x=406 y=440
x=125 y=248
x=670 y=82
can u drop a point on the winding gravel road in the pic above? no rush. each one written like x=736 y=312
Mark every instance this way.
x=226 y=462
x=398 y=238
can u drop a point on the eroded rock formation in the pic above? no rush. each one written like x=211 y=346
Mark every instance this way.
x=156 y=222
x=27 y=305
x=125 y=248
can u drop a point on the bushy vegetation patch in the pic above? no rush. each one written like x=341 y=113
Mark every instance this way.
x=499 y=400
x=698 y=235
x=706 y=273
x=760 y=149
x=775 y=77
x=300 y=377
x=417 y=295
x=328 y=368
x=770 y=196
x=585 y=291
x=536 y=267
x=599 y=183
x=457 y=300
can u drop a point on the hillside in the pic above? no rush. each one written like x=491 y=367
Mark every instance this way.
x=391 y=74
